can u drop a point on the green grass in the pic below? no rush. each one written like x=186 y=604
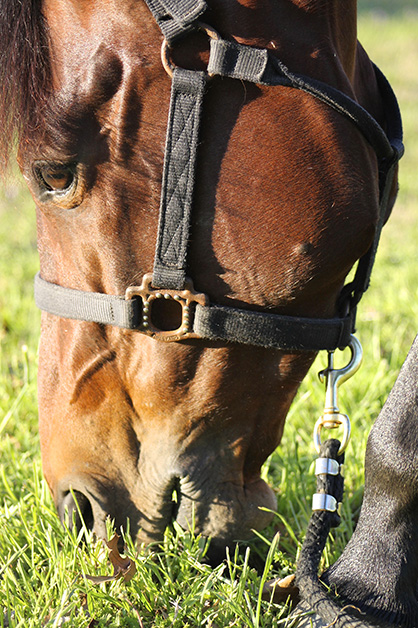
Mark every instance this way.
x=384 y=8
x=42 y=565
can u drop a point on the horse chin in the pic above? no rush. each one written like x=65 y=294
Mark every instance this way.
x=227 y=512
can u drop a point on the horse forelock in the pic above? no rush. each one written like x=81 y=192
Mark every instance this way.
x=24 y=71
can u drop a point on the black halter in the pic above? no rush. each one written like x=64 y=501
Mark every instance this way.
x=200 y=318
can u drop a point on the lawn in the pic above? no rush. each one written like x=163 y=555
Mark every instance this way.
x=42 y=566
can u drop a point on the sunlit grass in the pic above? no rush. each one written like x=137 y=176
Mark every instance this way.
x=42 y=565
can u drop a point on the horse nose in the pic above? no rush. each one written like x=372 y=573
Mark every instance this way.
x=75 y=507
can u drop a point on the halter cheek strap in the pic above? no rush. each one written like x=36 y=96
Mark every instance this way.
x=187 y=91
x=200 y=318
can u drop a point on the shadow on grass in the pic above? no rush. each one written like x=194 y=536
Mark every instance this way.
x=390 y=7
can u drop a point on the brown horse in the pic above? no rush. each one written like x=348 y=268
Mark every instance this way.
x=285 y=200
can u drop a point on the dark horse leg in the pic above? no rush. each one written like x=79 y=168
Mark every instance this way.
x=378 y=571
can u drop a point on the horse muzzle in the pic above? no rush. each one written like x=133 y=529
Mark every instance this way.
x=217 y=507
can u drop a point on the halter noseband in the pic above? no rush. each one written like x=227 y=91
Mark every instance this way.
x=199 y=317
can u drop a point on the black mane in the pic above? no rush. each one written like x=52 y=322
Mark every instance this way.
x=24 y=71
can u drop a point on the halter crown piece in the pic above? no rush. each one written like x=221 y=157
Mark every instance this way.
x=199 y=317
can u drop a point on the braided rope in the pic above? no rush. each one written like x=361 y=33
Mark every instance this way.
x=311 y=590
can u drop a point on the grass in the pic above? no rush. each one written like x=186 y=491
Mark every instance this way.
x=384 y=8
x=43 y=566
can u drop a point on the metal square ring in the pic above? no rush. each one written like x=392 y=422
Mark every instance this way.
x=185 y=298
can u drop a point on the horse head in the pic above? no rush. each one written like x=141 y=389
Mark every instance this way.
x=285 y=200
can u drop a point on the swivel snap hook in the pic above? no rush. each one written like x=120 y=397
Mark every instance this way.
x=333 y=378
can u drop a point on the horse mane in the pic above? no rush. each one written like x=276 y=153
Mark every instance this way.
x=24 y=71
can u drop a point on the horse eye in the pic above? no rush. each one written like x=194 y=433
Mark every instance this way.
x=56 y=177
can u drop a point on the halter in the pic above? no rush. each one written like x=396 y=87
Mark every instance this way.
x=199 y=317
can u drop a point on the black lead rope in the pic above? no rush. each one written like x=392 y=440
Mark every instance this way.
x=326 y=502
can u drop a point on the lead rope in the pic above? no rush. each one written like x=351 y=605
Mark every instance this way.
x=327 y=500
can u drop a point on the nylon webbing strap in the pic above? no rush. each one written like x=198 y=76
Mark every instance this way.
x=176 y=17
x=272 y=330
x=238 y=61
x=94 y=307
x=178 y=178
x=211 y=322
x=388 y=169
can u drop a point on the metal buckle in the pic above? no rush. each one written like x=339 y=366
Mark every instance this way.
x=184 y=298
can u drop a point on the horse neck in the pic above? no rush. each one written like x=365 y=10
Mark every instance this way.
x=343 y=30
x=301 y=31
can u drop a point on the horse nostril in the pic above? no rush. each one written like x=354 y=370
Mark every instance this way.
x=79 y=510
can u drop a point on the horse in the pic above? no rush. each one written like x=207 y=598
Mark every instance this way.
x=190 y=270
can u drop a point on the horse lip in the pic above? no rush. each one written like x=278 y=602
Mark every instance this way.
x=227 y=511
